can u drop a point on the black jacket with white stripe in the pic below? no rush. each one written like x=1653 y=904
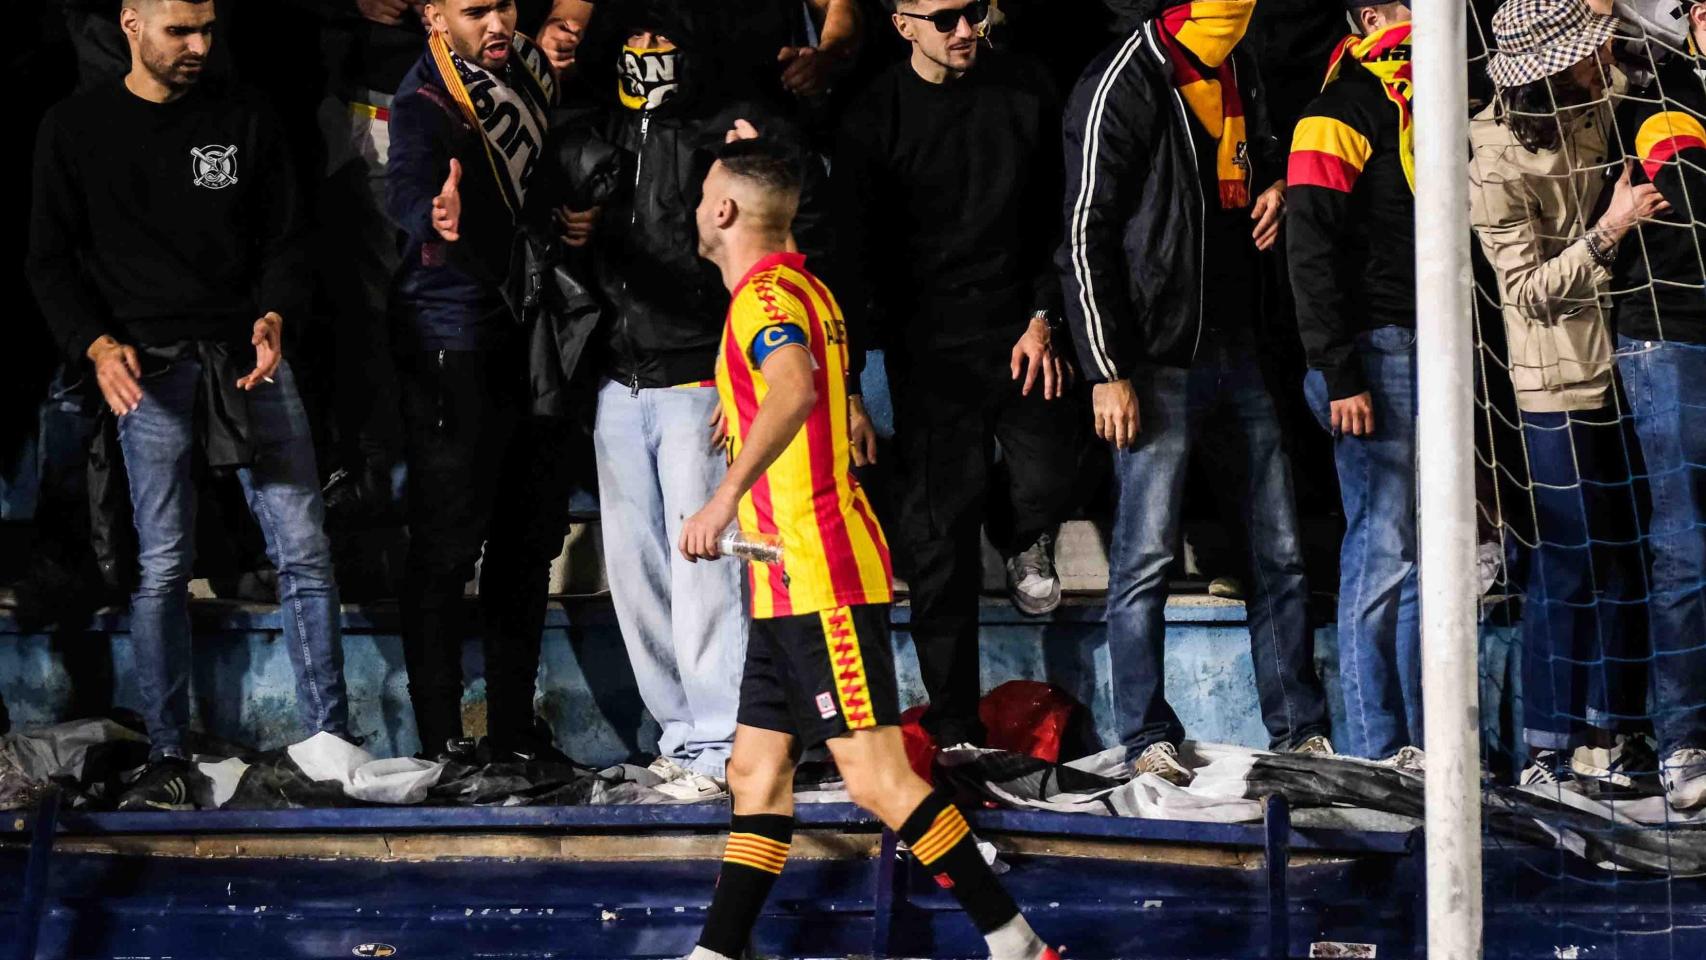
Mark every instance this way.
x=1132 y=262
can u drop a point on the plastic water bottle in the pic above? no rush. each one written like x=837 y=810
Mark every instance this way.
x=756 y=547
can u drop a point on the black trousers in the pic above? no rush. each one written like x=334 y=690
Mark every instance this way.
x=481 y=472
x=955 y=405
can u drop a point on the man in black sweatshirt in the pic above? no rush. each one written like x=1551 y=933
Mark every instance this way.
x=164 y=225
x=467 y=130
x=948 y=175
x=1351 y=247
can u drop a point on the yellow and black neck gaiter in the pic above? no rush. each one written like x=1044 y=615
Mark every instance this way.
x=647 y=77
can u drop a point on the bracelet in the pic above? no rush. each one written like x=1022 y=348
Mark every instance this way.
x=1600 y=255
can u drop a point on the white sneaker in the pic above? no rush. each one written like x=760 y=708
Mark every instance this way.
x=1409 y=760
x=1630 y=765
x=1684 y=775
x=1032 y=583
x=1489 y=565
x=1316 y=746
x=693 y=787
x=666 y=769
x=1162 y=759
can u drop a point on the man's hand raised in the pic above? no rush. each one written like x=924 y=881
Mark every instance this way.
x=560 y=39
x=447 y=206
x=117 y=370
x=388 y=12
x=806 y=71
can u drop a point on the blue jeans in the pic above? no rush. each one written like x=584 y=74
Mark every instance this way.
x=158 y=440
x=684 y=623
x=1583 y=617
x=1666 y=385
x=1380 y=639
x=1221 y=403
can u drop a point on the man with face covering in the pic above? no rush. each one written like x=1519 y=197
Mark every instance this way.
x=467 y=128
x=1171 y=190
x=658 y=433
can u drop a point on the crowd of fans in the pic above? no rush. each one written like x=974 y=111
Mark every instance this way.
x=1060 y=223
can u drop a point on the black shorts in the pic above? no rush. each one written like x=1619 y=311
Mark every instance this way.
x=820 y=675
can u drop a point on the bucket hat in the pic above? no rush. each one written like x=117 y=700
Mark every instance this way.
x=1538 y=38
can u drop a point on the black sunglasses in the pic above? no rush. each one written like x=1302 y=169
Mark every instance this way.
x=947 y=21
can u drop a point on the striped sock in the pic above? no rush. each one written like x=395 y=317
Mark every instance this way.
x=941 y=839
x=753 y=859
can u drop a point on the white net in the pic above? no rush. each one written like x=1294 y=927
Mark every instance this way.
x=1591 y=456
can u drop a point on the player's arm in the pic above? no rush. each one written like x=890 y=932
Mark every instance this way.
x=793 y=393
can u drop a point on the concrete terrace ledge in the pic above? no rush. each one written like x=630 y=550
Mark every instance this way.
x=243 y=686
x=595 y=610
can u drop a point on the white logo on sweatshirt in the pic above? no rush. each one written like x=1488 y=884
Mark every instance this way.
x=215 y=167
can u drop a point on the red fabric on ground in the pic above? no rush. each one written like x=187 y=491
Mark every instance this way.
x=1020 y=716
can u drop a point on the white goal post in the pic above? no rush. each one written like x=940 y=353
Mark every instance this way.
x=1445 y=346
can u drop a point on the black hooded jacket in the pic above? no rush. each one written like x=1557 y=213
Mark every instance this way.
x=664 y=304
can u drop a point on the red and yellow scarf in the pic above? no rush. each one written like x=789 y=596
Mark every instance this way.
x=1199 y=38
x=1386 y=54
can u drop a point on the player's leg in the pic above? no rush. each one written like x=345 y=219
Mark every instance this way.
x=873 y=764
x=761 y=778
x=848 y=699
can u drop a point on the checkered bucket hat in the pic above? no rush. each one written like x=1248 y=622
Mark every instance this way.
x=1538 y=38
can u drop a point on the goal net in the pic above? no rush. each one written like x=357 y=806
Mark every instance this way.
x=1590 y=490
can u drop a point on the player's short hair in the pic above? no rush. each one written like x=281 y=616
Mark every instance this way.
x=765 y=161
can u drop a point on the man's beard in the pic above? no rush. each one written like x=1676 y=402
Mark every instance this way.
x=476 y=54
x=174 y=74
x=945 y=61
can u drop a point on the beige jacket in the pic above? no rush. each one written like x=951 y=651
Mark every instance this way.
x=1530 y=211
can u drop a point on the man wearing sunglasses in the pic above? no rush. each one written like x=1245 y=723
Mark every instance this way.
x=1168 y=201
x=948 y=171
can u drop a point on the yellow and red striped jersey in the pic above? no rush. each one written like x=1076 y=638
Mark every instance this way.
x=834 y=553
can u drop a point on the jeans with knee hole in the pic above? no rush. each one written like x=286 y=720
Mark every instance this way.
x=684 y=623
x=1380 y=644
x=283 y=492
x=1221 y=404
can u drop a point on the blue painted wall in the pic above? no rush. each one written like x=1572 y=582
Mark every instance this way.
x=243 y=687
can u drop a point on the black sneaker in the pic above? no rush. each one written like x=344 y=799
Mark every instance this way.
x=1550 y=770
x=530 y=750
x=170 y=783
x=464 y=750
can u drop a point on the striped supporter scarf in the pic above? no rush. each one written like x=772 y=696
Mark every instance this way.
x=510 y=111
x=1386 y=54
x=1199 y=38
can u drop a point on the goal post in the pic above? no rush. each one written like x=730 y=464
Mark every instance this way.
x=1445 y=349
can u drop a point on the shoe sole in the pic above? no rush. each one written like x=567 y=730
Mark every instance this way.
x=1688 y=803
x=1035 y=608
